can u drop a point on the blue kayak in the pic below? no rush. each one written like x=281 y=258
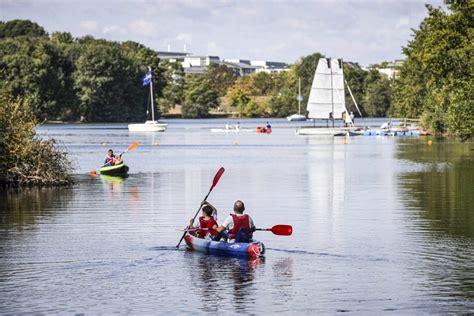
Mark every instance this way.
x=235 y=249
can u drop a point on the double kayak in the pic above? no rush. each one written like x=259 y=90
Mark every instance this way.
x=234 y=249
x=117 y=170
x=263 y=130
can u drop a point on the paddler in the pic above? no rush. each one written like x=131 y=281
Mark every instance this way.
x=110 y=159
x=239 y=225
x=207 y=223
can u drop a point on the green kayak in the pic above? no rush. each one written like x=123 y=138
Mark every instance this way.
x=118 y=170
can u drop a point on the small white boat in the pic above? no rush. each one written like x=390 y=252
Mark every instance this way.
x=297 y=116
x=148 y=126
x=324 y=131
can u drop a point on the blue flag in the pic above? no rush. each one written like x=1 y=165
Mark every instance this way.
x=147 y=79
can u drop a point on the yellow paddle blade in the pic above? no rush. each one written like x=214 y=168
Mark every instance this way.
x=133 y=146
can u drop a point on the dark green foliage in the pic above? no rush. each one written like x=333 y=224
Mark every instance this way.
x=173 y=92
x=220 y=77
x=77 y=79
x=199 y=97
x=436 y=80
x=24 y=158
x=377 y=97
x=16 y=28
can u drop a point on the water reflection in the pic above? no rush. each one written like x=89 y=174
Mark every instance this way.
x=21 y=207
x=440 y=216
x=217 y=278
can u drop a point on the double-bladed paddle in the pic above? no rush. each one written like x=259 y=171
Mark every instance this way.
x=214 y=182
x=131 y=147
x=281 y=230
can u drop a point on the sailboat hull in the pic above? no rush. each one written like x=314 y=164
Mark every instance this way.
x=148 y=126
x=296 y=117
x=323 y=131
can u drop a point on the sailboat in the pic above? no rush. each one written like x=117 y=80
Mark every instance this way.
x=298 y=116
x=326 y=99
x=148 y=126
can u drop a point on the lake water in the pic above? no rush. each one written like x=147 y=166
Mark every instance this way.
x=381 y=224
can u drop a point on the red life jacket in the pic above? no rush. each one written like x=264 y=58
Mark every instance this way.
x=209 y=223
x=239 y=222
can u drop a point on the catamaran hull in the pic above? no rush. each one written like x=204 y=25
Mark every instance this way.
x=320 y=131
x=239 y=249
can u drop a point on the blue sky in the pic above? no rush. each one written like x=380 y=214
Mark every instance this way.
x=364 y=31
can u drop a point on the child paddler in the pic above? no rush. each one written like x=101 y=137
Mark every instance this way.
x=207 y=223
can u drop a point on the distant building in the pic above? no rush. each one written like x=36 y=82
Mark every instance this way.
x=271 y=67
x=240 y=67
x=173 y=56
x=391 y=69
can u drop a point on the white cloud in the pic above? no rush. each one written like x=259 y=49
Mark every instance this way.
x=142 y=27
x=113 y=29
x=89 y=26
x=185 y=37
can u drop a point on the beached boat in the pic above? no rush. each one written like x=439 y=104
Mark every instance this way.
x=238 y=249
x=117 y=170
x=148 y=126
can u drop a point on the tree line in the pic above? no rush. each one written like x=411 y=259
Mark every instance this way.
x=94 y=80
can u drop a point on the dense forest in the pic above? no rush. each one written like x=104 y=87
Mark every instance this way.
x=95 y=80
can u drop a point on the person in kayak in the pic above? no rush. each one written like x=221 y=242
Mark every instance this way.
x=268 y=126
x=207 y=223
x=110 y=159
x=240 y=226
x=118 y=160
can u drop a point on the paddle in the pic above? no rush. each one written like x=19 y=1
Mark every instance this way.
x=281 y=230
x=130 y=148
x=214 y=182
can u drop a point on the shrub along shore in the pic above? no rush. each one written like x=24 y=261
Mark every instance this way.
x=26 y=159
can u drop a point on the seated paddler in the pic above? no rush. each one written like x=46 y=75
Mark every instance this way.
x=207 y=224
x=240 y=226
x=110 y=159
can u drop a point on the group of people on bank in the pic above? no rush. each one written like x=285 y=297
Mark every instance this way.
x=237 y=227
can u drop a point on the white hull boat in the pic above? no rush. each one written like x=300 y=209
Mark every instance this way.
x=148 y=126
x=296 y=117
x=324 y=131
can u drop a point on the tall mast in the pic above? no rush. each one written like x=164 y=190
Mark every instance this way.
x=332 y=92
x=299 y=96
x=151 y=95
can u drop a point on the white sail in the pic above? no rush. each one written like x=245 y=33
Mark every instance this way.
x=327 y=91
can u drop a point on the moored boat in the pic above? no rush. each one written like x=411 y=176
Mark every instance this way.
x=116 y=170
x=234 y=249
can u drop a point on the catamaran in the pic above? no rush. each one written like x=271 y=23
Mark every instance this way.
x=327 y=101
x=298 y=116
x=148 y=126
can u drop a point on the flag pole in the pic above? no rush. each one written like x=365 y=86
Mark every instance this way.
x=151 y=94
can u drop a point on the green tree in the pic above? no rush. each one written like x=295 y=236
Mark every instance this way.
x=436 y=78
x=15 y=28
x=220 y=77
x=173 y=91
x=378 y=97
x=199 y=97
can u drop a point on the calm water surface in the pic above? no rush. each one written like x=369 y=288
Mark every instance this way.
x=381 y=224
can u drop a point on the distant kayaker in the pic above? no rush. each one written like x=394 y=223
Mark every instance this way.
x=206 y=221
x=240 y=225
x=237 y=126
x=110 y=159
x=268 y=126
